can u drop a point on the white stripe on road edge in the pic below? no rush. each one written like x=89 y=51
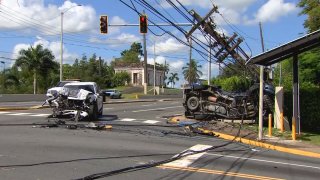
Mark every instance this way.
x=127 y=119
x=3 y=112
x=150 y=121
x=36 y=115
x=187 y=160
x=156 y=109
x=261 y=160
x=19 y=114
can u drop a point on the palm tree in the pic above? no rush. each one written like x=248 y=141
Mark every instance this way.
x=191 y=72
x=172 y=79
x=38 y=60
x=165 y=68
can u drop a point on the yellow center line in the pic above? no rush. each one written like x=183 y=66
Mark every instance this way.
x=209 y=171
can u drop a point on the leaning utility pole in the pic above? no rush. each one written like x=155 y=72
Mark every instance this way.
x=226 y=46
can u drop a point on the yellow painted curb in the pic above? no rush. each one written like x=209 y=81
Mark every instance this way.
x=21 y=108
x=262 y=144
x=175 y=120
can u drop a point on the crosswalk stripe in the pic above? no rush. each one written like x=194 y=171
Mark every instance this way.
x=187 y=160
x=150 y=122
x=40 y=115
x=19 y=114
x=127 y=119
x=3 y=112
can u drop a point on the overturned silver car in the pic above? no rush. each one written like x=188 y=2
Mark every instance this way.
x=78 y=99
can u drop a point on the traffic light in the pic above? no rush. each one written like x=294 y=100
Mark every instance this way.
x=143 y=24
x=103 y=24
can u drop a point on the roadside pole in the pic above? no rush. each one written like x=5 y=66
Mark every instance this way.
x=261 y=89
x=145 y=64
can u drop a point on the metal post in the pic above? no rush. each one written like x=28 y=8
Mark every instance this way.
x=209 y=63
x=145 y=63
x=261 y=90
x=295 y=91
x=190 y=56
x=154 y=68
x=61 y=47
x=270 y=125
x=3 y=79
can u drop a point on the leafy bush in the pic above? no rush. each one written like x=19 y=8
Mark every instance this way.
x=121 y=78
x=233 y=83
x=309 y=106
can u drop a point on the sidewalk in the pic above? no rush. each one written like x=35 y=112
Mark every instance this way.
x=229 y=131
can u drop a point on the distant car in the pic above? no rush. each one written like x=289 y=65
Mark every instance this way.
x=54 y=90
x=112 y=93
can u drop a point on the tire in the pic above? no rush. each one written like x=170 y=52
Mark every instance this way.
x=193 y=103
x=101 y=111
x=93 y=112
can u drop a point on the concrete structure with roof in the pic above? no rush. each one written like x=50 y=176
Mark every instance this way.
x=136 y=72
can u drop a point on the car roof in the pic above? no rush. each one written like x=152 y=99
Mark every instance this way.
x=81 y=83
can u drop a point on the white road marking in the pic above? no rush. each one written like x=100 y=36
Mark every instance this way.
x=187 y=160
x=261 y=160
x=19 y=114
x=3 y=112
x=127 y=119
x=142 y=110
x=150 y=121
x=108 y=108
x=37 y=115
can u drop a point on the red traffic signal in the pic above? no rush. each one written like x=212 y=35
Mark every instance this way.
x=104 y=24
x=143 y=24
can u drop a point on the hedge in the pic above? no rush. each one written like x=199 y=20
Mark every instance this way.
x=309 y=107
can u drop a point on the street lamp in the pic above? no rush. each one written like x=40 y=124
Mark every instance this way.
x=61 y=48
x=4 y=68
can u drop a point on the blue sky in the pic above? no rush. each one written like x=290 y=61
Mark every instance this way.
x=30 y=22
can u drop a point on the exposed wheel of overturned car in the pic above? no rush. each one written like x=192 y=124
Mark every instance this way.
x=193 y=103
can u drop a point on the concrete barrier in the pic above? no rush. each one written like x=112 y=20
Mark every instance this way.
x=22 y=97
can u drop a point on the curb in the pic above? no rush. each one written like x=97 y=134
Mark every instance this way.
x=261 y=144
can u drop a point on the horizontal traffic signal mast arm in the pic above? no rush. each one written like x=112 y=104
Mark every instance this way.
x=159 y=24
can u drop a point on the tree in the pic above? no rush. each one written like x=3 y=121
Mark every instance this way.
x=135 y=47
x=191 y=72
x=165 y=68
x=172 y=79
x=132 y=55
x=312 y=9
x=37 y=60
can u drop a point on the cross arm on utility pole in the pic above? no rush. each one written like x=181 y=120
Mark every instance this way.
x=197 y=16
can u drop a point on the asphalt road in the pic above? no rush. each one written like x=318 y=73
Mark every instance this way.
x=140 y=135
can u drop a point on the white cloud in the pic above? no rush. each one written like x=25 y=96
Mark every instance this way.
x=123 y=38
x=272 y=11
x=116 y=20
x=207 y=4
x=168 y=46
x=33 y=14
x=214 y=70
x=68 y=58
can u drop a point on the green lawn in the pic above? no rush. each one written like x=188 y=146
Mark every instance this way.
x=312 y=138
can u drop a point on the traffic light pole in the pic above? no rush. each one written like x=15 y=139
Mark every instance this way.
x=145 y=63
